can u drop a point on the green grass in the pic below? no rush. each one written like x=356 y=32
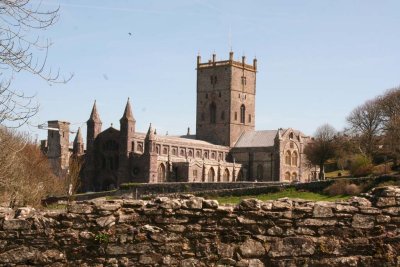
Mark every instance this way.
x=290 y=193
x=56 y=206
x=335 y=174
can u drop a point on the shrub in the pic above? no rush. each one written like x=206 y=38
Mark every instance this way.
x=361 y=166
x=342 y=187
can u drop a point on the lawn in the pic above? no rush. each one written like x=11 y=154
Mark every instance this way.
x=290 y=193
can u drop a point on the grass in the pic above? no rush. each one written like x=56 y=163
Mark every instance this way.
x=335 y=174
x=56 y=206
x=290 y=193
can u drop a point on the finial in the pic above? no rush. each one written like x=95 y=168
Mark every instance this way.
x=231 y=55
x=111 y=124
x=213 y=57
x=155 y=131
x=188 y=131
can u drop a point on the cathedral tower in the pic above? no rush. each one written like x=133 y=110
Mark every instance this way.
x=225 y=99
x=127 y=130
x=78 y=149
x=58 y=146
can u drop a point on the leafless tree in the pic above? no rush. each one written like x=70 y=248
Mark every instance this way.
x=322 y=148
x=22 y=49
x=366 y=124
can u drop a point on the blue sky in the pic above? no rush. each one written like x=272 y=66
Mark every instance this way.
x=317 y=60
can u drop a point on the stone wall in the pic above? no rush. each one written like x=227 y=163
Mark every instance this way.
x=192 y=231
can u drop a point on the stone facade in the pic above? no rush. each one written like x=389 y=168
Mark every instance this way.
x=192 y=231
x=226 y=147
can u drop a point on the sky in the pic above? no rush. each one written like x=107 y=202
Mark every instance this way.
x=317 y=59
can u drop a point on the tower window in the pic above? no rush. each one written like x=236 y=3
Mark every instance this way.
x=242 y=113
x=213 y=79
x=213 y=112
x=249 y=117
x=235 y=116
x=243 y=80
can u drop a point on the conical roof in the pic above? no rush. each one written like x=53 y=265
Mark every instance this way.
x=78 y=137
x=94 y=116
x=128 y=112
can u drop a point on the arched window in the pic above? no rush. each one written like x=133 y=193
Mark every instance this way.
x=182 y=152
x=225 y=177
x=242 y=114
x=212 y=155
x=165 y=151
x=287 y=176
x=190 y=153
x=294 y=176
x=240 y=176
x=260 y=172
x=205 y=155
x=294 y=158
x=288 y=158
x=291 y=136
x=213 y=113
x=198 y=154
x=161 y=173
x=211 y=175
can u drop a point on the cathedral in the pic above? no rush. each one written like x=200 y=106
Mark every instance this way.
x=225 y=148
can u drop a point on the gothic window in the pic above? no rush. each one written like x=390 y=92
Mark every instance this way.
x=165 y=150
x=182 y=153
x=242 y=113
x=260 y=172
x=249 y=117
x=287 y=176
x=161 y=173
x=240 y=176
x=198 y=154
x=294 y=176
x=174 y=151
x=288 y=158
x=205 y=155
x=294 y=158
x=291 y=136
x=243 y=80
x=212 y=155
x=158 y=150
x=222 y=115
x=140 y=147
x=211 y=175
x=225 y=177
x=235 y=116
x=213 y=112
x=220 y=156
x=190 y=153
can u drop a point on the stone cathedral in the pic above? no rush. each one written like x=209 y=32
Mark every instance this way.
x=225 y=148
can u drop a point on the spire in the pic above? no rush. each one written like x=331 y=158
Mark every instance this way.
x=78 y=143
x=94 y=116
x=150 y=133
x=78 y=137
x=128 y=111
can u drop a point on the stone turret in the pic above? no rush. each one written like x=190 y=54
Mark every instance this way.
x=151 y=155
x=58 y=146
x=127 y=131
x=93 y=128
x=78 y=147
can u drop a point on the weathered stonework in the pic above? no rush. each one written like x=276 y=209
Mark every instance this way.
x=192 y=231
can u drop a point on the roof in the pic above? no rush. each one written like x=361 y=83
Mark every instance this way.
x=257 y=139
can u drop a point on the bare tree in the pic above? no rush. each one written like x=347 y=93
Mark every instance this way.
x=22 y=49
x=366 y=124
x=322 y=148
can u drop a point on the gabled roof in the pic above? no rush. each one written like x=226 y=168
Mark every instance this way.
x=257 y=139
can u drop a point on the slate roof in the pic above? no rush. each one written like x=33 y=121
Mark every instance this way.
x=257 y=139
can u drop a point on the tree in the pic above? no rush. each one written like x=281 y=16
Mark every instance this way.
x=22 y=49
x=322 y=148
x=389 y=104
x=366 y=124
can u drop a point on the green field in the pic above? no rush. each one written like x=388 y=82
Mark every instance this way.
x=290 y=193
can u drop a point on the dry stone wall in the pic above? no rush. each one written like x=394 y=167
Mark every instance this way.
x=192 y=231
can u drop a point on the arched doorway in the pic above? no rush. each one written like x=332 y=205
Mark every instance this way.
x=161 y=173
x=240 y=176
x=225 y=177
x=211 y=175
